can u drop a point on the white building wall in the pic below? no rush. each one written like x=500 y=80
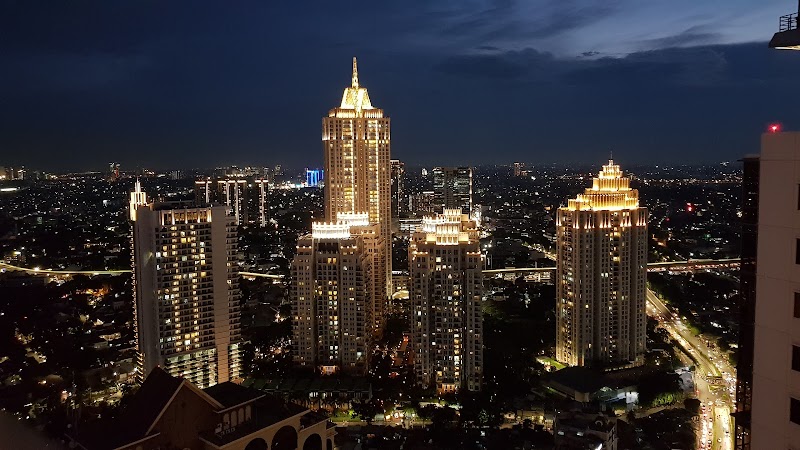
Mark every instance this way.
x=778 y=282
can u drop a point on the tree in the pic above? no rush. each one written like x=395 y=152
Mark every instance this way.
x=443 y=417
x=426 y=412
x=367 y=409
x=692 y=405
x=658 y=389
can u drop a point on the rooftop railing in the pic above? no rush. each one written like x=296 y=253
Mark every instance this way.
x=787 y=22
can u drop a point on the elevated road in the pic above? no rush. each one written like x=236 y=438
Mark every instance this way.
x=669 y=266
x=40 y=271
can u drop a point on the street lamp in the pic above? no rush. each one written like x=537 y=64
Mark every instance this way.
x=788 y=35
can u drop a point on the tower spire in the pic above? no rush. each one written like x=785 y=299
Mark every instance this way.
x=355 y=73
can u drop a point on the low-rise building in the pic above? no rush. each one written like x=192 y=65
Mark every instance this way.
x=169 y=412
x=577 y=430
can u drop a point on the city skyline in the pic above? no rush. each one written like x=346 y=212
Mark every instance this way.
x=483 y=285
x=546 y=74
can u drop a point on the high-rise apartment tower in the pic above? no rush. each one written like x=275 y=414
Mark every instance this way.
x=446 y=280
x=452 y=188
x=245 y=197
x=399 y=194
x=333 y=302
x=601 y=276
x=775 y=414
x=186 y=291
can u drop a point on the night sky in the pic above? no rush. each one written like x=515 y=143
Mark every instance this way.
x=185 y=84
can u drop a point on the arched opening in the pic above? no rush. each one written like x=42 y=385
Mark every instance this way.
x=285 y=439
x=313 y=442
x=241 y=415
x=330 y=444
x=257 y=444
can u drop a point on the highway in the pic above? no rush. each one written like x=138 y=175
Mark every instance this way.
x=699 y=264
x=39 y=271
x=714 y=378
x=674 y=266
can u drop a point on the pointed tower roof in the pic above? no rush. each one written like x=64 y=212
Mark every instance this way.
x=355 y=96
x=610 y=191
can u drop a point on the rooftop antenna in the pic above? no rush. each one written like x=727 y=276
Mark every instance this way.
x=355 y=73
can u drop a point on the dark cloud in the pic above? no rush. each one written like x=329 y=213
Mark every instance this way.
x=201 y=84
x=694 y=36
x=505 y=20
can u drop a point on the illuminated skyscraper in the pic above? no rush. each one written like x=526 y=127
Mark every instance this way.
x=445 y=288
x=342 y=271
x=186 y=291
x=332 y=295
x=452 y=188
x=314 y=177
x=601 y=275
x=356 y=143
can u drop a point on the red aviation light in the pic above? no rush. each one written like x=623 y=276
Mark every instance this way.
x=774 y=128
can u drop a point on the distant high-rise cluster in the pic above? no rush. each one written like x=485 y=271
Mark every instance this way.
x=445 y=289
x=246 y=198
x=186 y=290
x=10 y=173
x=601 y=276
x=452 y=189
x=342 y=270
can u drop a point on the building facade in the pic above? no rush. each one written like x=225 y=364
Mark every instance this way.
x=775 y=414
x=445 y=289
x=601 y=275
x=186 y=291
x=452 y=189
x=334 y=295
x=246 y=199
